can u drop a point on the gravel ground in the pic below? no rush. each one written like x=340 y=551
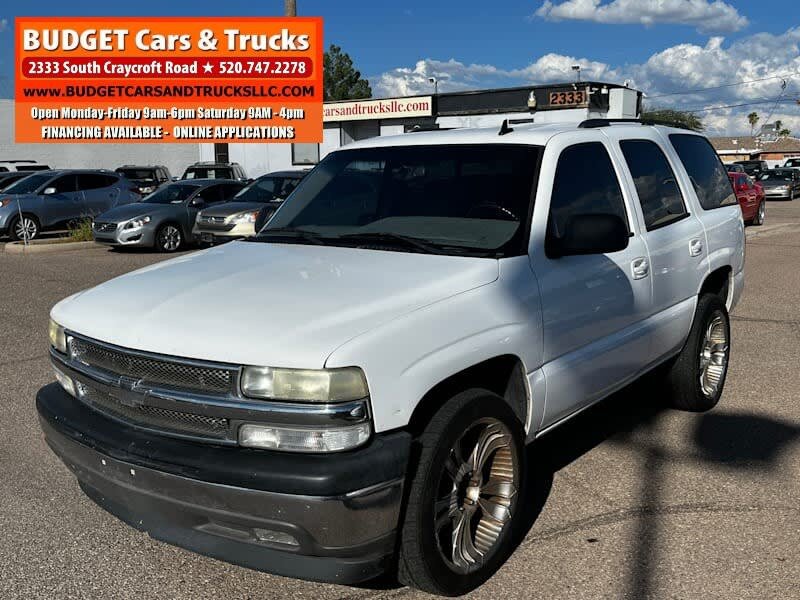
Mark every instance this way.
x=630 y=500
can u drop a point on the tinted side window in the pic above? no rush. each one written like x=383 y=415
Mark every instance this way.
x=708 y=176
x=210 y=195
x=91 y=181
x=229 y=191
x=655 y=183
x=64 y=184
x=585 y=183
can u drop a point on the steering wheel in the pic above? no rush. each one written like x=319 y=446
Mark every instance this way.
x=490 y=210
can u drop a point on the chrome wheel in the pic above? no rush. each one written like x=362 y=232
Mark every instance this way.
x=25 y=228
x=476 y=496
x=714 y=355
x=762 y=212
x=169 y=238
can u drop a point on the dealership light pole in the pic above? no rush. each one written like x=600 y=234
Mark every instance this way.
x=290 y=8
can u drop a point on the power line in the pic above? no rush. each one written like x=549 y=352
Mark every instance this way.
x=719 y=87
x=711 y=108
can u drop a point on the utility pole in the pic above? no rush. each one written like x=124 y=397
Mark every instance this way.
x=290 y=8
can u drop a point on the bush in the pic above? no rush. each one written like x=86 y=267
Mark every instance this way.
x=81 y=231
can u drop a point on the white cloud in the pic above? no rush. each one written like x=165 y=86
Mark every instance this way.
x=3 y=25
x=683 y=68
x=705 y=15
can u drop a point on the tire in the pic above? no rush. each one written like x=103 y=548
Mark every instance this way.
x=168 y=238
x=761 y=212
x=791 y=194
x=442 y=494
x=696 y=378
x=17 y=227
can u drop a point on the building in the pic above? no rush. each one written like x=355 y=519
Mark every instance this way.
x=775 y=152
x=346 y=122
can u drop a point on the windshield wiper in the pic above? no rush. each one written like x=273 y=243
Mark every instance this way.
x=385 y=237
x=289 y=232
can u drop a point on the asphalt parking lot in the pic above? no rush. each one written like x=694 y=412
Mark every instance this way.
x=630 y=500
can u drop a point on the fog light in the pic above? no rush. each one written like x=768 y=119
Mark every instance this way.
x=289 y=439
x=275 y=537
x=65 y=381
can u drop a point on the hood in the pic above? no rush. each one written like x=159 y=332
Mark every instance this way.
x=231 y=208
x=125 y=212
x=286 y=305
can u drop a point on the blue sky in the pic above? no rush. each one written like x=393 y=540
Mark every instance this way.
x=663 y=46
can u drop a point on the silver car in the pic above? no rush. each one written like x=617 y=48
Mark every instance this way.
x=164 y=219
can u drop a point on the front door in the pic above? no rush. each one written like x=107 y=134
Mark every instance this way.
x=594 y=306
x=64 y=204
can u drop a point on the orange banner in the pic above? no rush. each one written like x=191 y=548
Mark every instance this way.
x=168 y=79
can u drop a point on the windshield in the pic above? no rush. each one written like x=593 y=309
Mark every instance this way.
x=137 y=173
x=263 y=189
x=29 y=184
x=172 y=194
x=776 y=176
x=454 y=198
x=208 y=173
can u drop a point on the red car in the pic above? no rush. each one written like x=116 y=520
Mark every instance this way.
x=751 y=198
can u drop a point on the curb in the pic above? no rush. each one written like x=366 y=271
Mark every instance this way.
x=47 y=246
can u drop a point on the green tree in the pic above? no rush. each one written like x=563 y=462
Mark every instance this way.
x=674 y=118
x=341 y=80
x=753 y=119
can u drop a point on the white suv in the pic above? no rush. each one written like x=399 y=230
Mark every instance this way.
x=356 y=387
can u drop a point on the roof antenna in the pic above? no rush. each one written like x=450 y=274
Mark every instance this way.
x=504 y=128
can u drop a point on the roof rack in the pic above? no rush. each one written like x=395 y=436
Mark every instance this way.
x=593 y=123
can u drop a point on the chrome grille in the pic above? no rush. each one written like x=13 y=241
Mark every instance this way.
x=188 y=376
x=212 y=220
x=154 y=416
x=105 y=227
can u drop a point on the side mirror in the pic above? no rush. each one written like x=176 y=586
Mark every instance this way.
x=49 y=191
x=589 y=234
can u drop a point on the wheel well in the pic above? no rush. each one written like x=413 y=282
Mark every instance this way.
x=503 y=375
x=717 y=282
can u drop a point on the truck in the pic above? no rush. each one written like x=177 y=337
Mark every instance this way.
x=351 y=391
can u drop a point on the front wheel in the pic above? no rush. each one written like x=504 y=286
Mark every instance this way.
x=23 y=228
x=168 y=238
x=761 y=213
x=696 y=379
x=463 y=502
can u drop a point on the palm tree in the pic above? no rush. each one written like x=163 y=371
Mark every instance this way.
x=753 y=118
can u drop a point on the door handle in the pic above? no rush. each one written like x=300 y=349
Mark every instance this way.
x=640 y=268
x=695 y=247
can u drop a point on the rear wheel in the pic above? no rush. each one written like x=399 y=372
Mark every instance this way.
x=696 y=379
x=463 y=497
x=761 y=213
x=169 y=238
x=25 y=227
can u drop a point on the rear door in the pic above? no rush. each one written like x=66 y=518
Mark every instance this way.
x=594 y=307
x=674 y=236
x=99 y=190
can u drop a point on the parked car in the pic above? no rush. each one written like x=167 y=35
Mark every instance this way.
x=792 y=163
x=753 y=167
x=249 y=210
x=164 y=219
x=11 y=177
x=54 y=199
x=751 y=197
x=734 y=168
x=355 y=384
x=10 y=166
x=215 y=170
x=146 y=178
x=780 y=183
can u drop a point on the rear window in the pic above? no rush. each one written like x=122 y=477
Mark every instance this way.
x=208 y=173
x=708 y=176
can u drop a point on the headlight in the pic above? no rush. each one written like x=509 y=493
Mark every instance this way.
x=289 y=439
x=147 y=190
x=136 y=223
x=324 y=385
x=245 y=217
x=57 y=338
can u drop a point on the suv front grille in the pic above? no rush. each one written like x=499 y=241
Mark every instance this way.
x=105 y=227
x=150 y=370
x=154 y=416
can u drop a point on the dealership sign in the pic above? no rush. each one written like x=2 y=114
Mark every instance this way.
x=168 y=79
x=389 y=108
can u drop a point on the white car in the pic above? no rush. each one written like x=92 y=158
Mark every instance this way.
x=357 y=383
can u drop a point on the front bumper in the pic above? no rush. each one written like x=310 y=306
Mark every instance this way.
x=206 y=233
x=141 y=236
x=783 y=194
x=323 y=518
